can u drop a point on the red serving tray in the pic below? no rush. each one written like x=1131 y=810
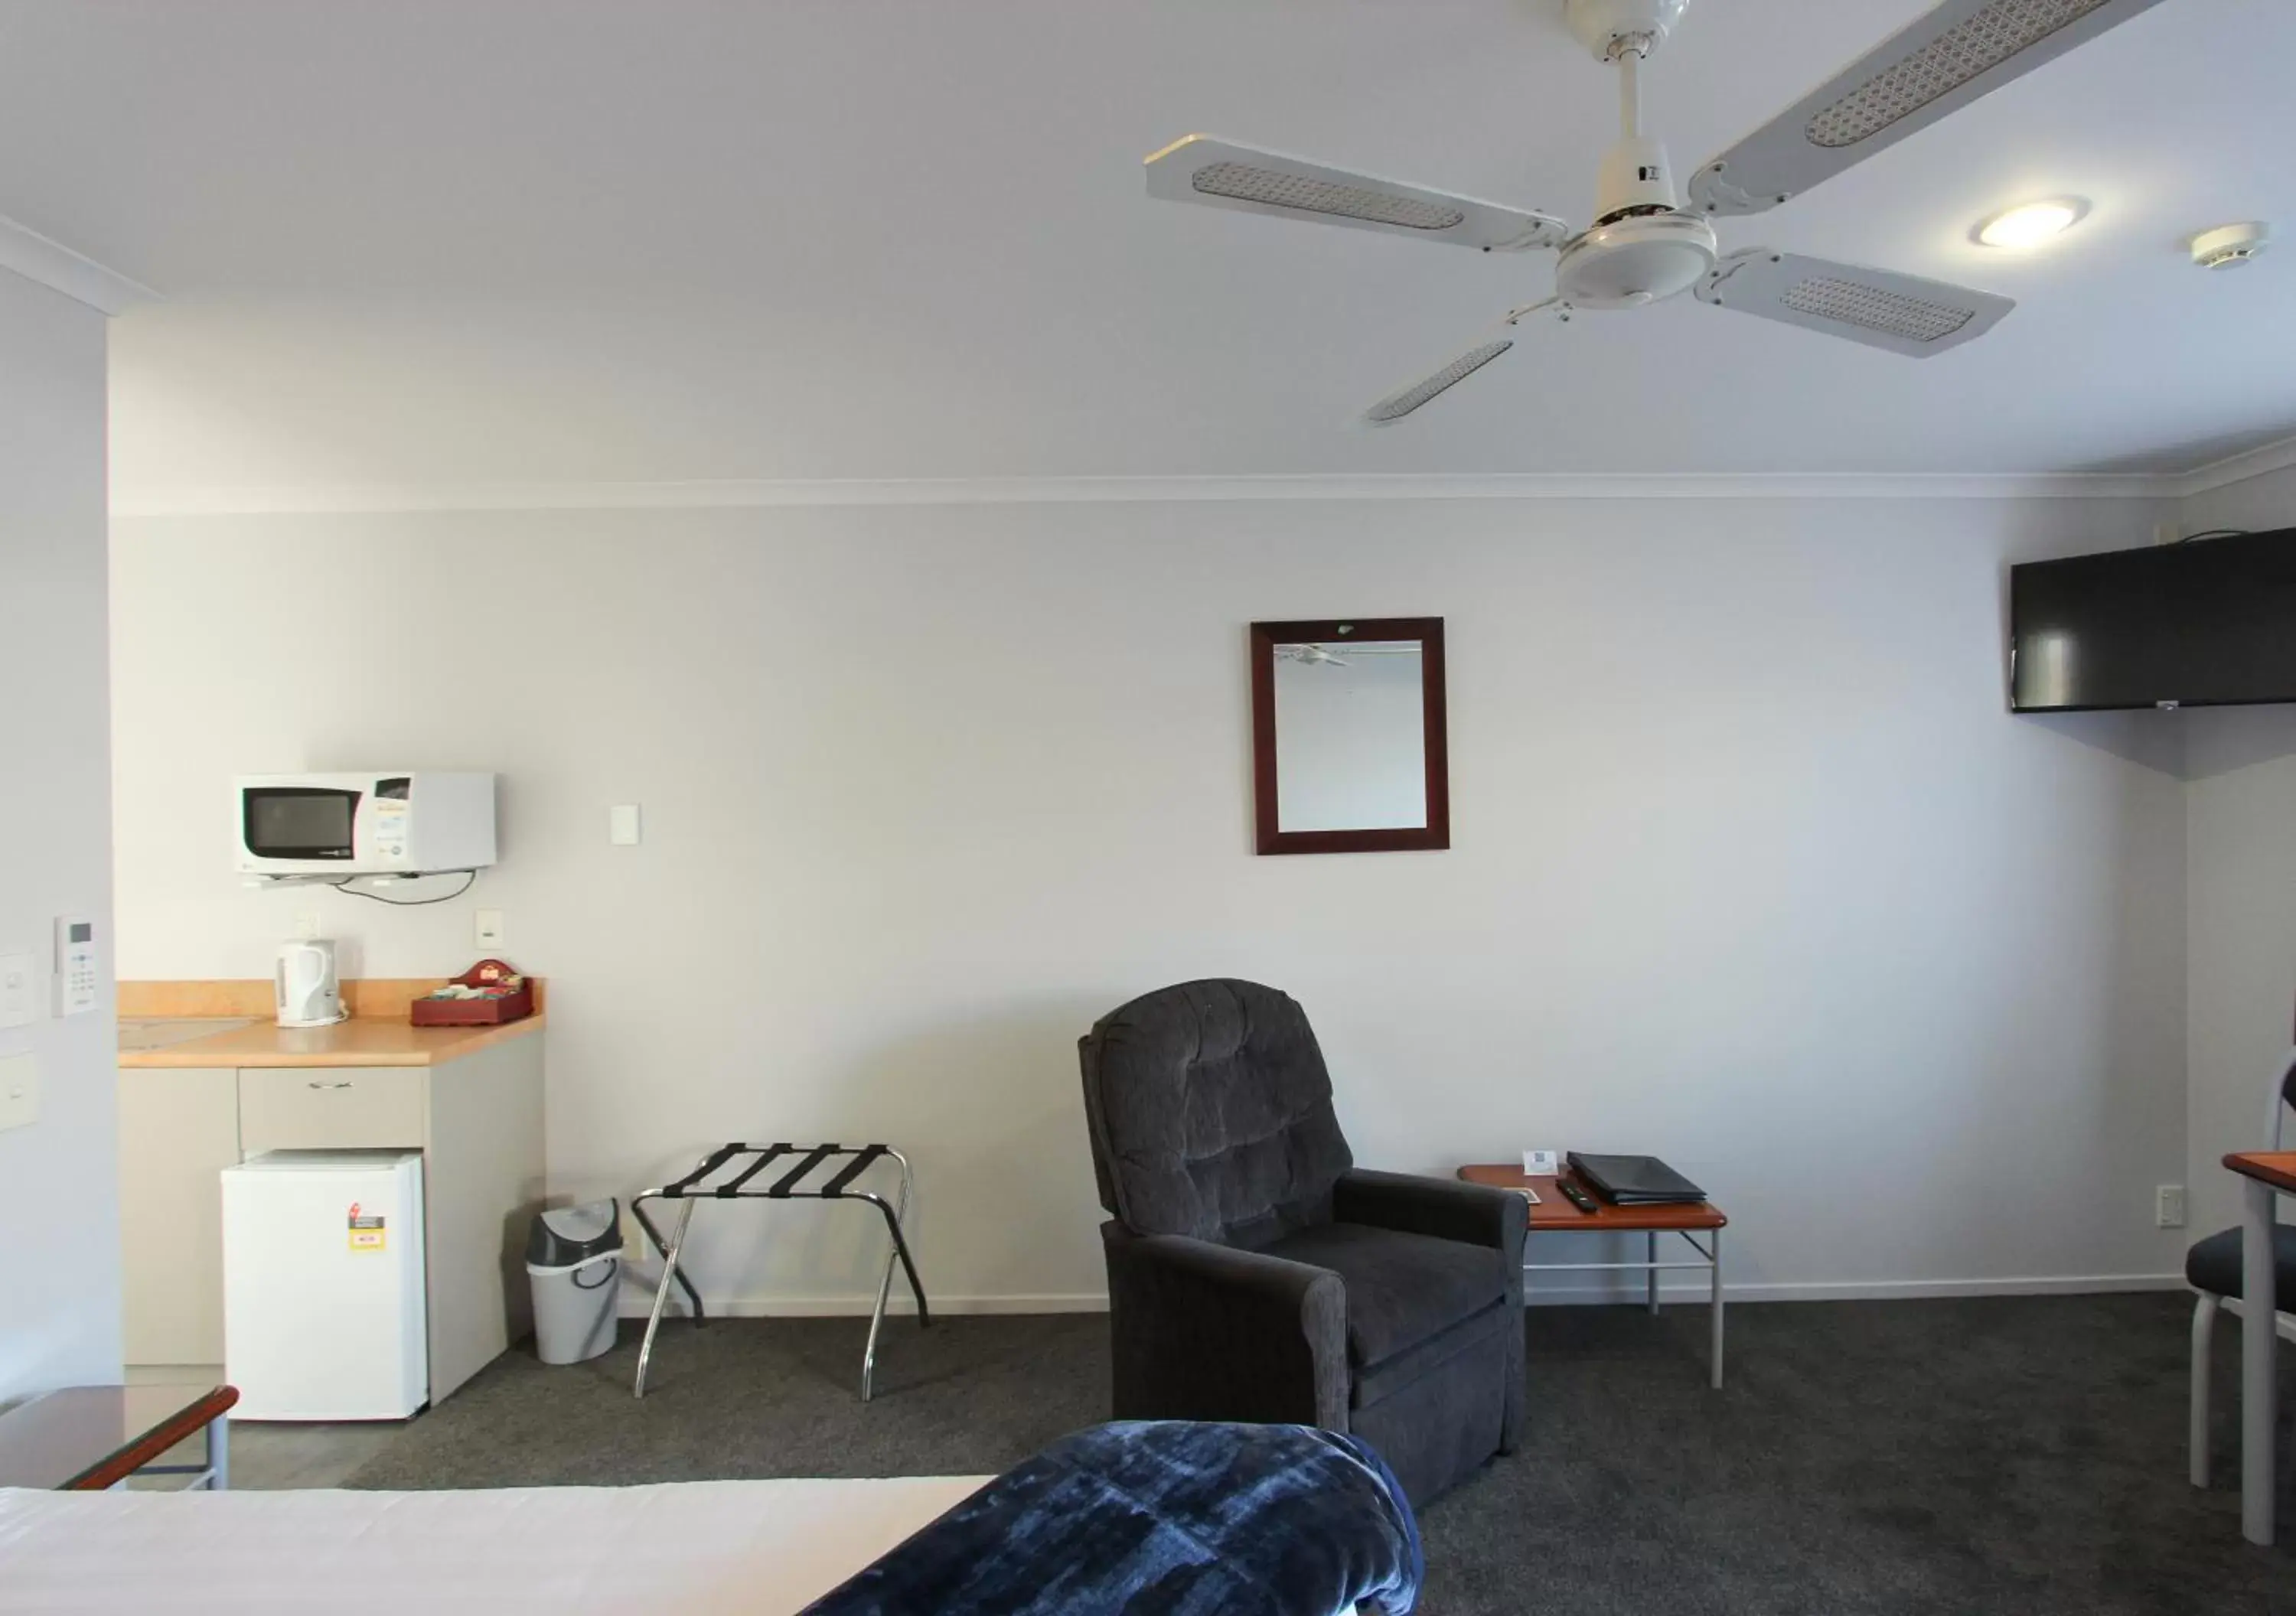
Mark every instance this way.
x=476 y=1012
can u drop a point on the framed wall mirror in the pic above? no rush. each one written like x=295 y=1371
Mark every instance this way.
x=1349 y=754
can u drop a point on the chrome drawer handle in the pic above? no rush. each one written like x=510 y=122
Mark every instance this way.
x=340 y=1085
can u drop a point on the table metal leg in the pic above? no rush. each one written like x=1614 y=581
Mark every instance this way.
x=2259 y=1343
x=218 y=1454
x=662 y=1293
x=1715 y=1255
x=1650 y=1250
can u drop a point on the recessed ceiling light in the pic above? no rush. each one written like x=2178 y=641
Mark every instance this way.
x=2032 y=224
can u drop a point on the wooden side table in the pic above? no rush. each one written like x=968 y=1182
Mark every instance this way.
x=1552 y=1214
x=85 y=1438
x=2266 y=1174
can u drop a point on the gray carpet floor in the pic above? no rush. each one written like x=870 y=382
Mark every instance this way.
x=2018 y=1454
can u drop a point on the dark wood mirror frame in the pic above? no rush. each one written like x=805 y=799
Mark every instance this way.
x=1429 y=633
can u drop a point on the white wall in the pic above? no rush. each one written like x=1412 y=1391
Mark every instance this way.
x=1751 y=867
x=59 y=1281
x=2242 y=872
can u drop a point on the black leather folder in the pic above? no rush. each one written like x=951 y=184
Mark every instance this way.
x=1635 y=1180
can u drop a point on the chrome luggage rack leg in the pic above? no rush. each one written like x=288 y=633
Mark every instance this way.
x=691 y=1188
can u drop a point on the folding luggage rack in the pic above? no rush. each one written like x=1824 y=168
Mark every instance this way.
x=692 y=1189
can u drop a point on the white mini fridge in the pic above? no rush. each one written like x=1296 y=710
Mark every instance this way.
x=323 y=1315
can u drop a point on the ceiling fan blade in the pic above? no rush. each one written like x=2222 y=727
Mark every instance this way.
x=1962 y=50
x=1879 y=308
x=1405 y=401
x=1219 y=173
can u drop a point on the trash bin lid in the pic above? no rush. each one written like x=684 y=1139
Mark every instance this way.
x=565 y=1235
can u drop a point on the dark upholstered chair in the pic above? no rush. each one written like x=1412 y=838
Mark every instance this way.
x=1254 y=1274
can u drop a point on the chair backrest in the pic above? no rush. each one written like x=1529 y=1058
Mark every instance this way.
x=1210 y=1112
x=2283 y=1094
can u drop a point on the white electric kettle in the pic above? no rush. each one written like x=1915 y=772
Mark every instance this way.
x=309 y=996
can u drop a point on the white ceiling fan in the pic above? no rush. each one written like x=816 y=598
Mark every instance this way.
x=1644 y=246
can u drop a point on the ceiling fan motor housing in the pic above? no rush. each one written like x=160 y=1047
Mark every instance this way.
x=1645 y=257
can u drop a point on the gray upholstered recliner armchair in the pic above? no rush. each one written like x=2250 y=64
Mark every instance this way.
x=1254 y=1274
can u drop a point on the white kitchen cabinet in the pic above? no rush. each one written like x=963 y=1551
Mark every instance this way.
x=473 y=1106
x=178 y=1129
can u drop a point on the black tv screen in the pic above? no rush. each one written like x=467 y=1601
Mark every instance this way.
x=2211 y=622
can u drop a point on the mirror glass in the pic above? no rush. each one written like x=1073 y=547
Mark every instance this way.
x=1350 y=736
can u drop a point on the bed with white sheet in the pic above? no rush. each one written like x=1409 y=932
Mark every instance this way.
x=698 y=1548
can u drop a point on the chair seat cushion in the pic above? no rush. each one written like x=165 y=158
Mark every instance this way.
x=2213 y=1264
x=1402 y=1289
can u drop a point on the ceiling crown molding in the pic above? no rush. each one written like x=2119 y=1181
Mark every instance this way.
x=375 y=499
x=59 y=268
x=2260 y=462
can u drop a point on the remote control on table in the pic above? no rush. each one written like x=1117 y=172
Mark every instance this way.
x=1578 y=1197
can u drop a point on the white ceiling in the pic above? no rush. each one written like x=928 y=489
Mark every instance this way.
x=592 y=241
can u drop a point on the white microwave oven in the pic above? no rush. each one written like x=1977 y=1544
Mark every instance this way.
x=405 y=823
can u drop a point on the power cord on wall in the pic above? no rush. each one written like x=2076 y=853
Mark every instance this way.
x=470 y=880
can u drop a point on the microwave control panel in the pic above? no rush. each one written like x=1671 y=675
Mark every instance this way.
x=76 y=989
x=388 y=805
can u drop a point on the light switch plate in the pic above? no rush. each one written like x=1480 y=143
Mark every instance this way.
x=20 y=990
x=19 y=1091
x=622 y=824
x=489 y=928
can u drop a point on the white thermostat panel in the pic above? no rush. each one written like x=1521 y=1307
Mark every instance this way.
x=75 y=991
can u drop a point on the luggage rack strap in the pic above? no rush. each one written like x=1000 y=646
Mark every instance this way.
x=851 y=1170
x=788 y=1182
x=836 y=1188
x=732 y=1186
x=710 y=1163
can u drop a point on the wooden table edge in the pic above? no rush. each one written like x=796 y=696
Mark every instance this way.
x=2277 y=1168
x=177 y=1427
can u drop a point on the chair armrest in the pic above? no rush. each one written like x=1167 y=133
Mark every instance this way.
x=1443 y=1208
x=1473 y=1215
x=1207 y=1331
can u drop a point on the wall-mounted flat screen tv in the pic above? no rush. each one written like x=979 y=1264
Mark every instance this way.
x=2210 y=622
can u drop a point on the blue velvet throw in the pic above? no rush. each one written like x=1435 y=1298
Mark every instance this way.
x=1163 y=1518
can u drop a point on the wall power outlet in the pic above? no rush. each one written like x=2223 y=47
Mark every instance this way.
x=2168 y=1206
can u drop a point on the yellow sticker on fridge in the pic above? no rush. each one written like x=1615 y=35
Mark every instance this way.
x=367 y=1232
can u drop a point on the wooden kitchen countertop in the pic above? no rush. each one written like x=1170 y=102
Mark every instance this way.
x=377 y=1035
x=360 y=1041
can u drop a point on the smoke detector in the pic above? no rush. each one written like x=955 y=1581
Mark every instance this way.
x=2230 y=246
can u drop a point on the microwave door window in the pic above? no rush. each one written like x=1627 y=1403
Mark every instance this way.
x=300 y=824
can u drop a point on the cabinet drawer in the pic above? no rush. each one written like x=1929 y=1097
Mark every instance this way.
x=330 y=1108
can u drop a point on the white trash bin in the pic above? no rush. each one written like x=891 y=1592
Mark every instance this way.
x=574 y=1263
